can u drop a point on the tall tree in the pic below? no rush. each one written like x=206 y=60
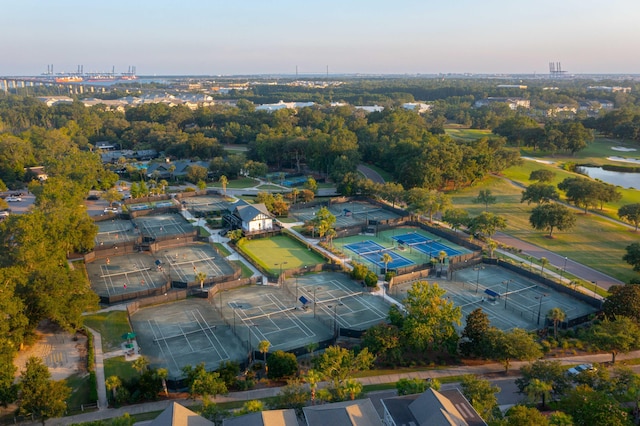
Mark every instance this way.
x=632 y=256
x=40 y=396
x=552 y=372
x=556 y=315
x=485 y=197
x=482 y=396
x=486 y=224
x=621 y=334
x=590 y=407
x=431 y=319
x=539 y=193
x=630 y=213
x=339 y=364
x=552 y=216
x=475 y=330
x=515 y=344
x=623 y=300
x=542 y=175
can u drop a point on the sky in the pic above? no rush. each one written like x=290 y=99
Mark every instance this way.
x=225 y=37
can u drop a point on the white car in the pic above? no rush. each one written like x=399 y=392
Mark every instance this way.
x=110 y=210
x=13 y=199
x=574 y=371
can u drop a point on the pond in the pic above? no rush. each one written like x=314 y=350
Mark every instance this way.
x=623 y=179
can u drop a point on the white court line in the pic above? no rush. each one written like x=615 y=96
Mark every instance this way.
x=215 y=347
x=160 y=345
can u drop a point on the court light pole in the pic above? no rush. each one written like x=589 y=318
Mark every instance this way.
x=595 y=288
x=335 y=318
x=314 y=301
x=280 y=276
x=477 y=268
x=540 y=305
x=564 y=267
x=506 y=293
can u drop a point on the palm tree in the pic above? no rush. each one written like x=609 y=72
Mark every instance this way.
x=492 y=245
x=201 y=276
x=556 y=315
x=313 y=377
x=172 y=168
x=386 y=259
x=263 y=347
x=113 y=383
x=330 y=235
x=442 y=255
x=140 y=365
x=538 y=389
x=543 y=263
x=353 y=388
x=163 y=183
x=224 y=181
x=311 y=347
x=162 y=374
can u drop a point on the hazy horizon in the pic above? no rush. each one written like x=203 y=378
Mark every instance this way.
x=360 y=37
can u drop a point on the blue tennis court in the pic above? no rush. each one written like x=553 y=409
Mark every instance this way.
x=373 y=252
x=423 y=244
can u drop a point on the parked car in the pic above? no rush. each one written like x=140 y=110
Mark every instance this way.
x=574 y=371
x=93 y=197
x=5 y=213
x=111 y=210
x=13 y=198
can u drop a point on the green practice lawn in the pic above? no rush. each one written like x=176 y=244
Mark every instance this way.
x=468 y=134
x=270 y=253
x=111 y=326
x=245 y=182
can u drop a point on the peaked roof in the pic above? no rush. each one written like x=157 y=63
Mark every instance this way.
x=249 y=212
x=265 y=418
x=178 y=415
x=434 y=409
x=355 y=413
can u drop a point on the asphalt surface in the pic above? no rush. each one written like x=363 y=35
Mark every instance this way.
x=369 y=173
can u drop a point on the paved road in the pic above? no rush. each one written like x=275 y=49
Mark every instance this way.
x=492 y=371
x=369 y=173
x=559 y=261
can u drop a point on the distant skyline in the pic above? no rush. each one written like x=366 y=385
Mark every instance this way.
x=212 y=37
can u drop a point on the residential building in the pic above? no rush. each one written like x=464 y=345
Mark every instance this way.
x=264 y=418
x=360 y=412
x=431 y=408
x=514 y=103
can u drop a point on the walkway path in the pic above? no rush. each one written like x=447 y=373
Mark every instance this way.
x=100 y=379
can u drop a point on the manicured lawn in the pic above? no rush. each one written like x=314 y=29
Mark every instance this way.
x=222 y=249
x=80 y=391
x=111 y=326
x=271 y=252
x=245 y=182
x=269 y=187
x=594 y=241
x=468 y=134
x=246 y=272
x=118 y=367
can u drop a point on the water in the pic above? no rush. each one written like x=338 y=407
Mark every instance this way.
x=623 y=179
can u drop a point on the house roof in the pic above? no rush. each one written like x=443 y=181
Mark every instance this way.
x=249 y=212
x=264 y=418
x=433 y=408
x=177 y=415
x=356 y=413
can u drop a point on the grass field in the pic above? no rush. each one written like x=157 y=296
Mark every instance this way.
x=117 y=366
x=467 y=134
x=111 y=326
x=240 y=183
x=594 y=241
x=270 y=253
